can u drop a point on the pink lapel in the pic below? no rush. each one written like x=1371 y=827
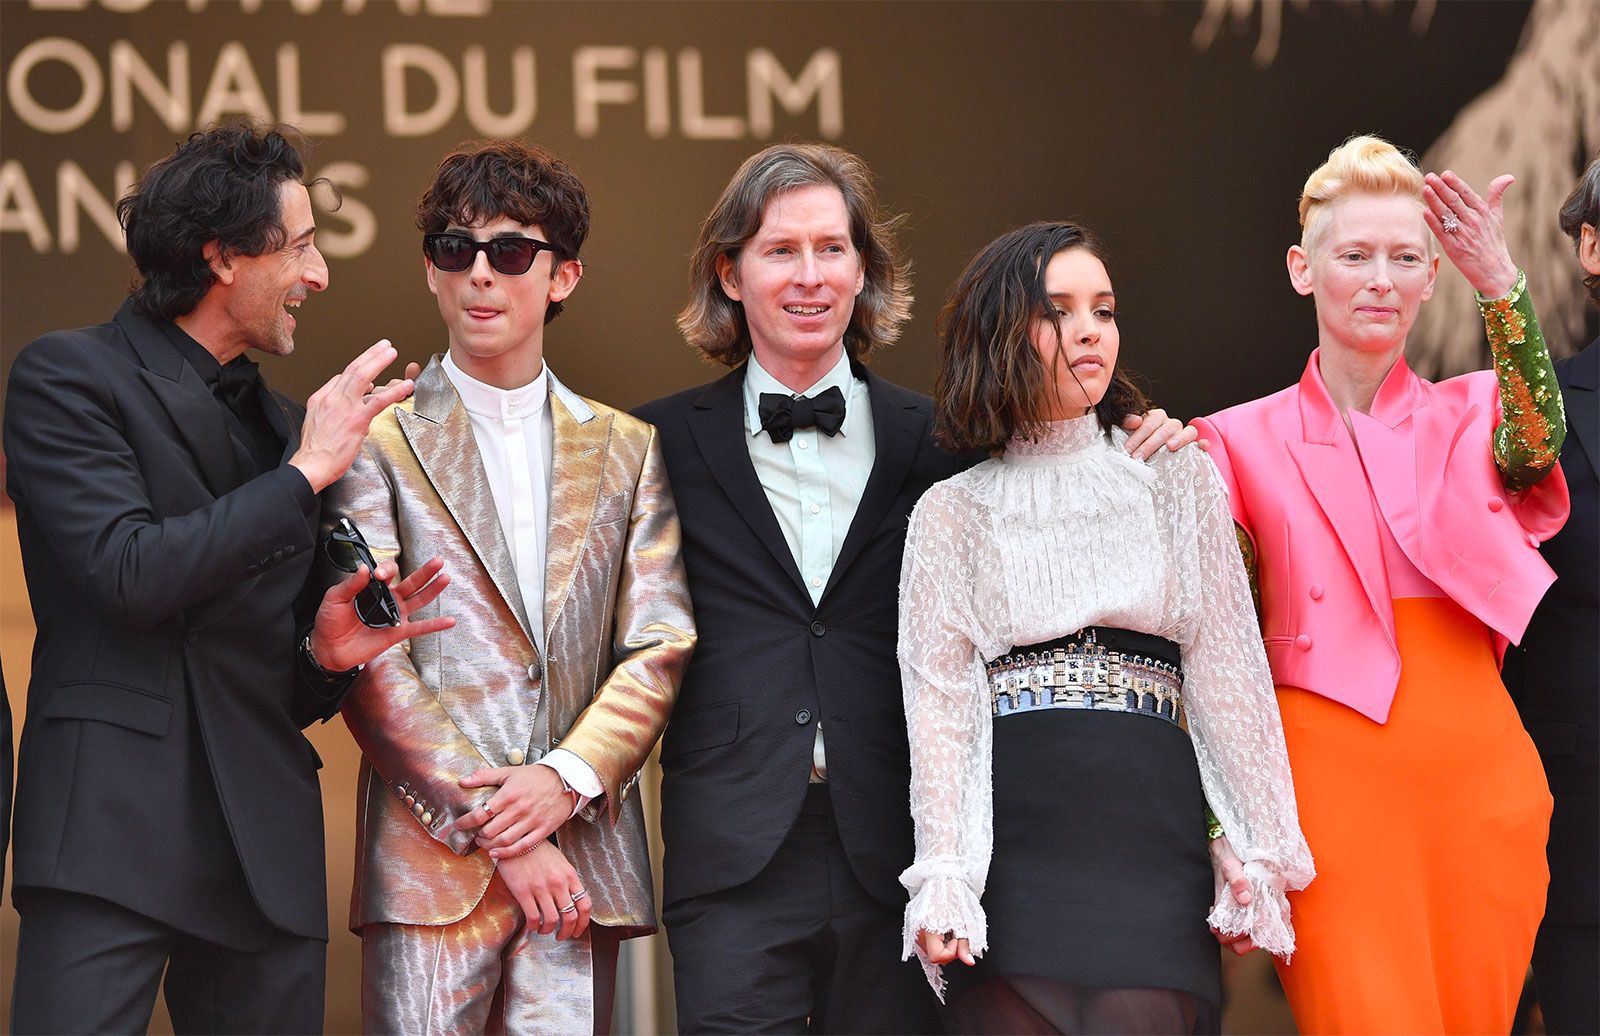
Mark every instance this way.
x=1332 y=471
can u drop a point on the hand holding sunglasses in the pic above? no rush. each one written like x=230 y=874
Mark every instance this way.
x=345 y=637
x=454 y=252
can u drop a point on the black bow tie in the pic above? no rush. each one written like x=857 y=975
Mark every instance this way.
x=781 y=415
x=235 y=384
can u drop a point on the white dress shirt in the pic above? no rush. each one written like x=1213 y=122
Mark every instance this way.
x=515 y=437
x=814 y=481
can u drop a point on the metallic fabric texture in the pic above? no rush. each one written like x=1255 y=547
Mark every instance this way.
x=619 y=633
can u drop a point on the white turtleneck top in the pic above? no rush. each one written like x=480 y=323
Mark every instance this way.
x=1052 y=536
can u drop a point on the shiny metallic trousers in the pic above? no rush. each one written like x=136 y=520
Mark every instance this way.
x=488 y=972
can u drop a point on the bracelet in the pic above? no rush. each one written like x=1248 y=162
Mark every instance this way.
x=1213 y=826
x=326 y=674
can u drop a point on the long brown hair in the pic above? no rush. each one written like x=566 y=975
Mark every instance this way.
x=715 y=324
x=991 y=385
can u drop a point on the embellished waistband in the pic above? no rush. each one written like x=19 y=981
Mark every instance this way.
x=1098 y=668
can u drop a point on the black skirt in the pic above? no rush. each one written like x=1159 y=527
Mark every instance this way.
x=1100 y=876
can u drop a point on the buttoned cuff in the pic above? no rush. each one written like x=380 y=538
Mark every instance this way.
x=576 y=775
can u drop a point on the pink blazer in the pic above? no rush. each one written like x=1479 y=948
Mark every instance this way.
x=1298 y=489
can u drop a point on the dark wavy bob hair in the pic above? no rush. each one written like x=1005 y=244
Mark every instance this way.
x=480 y=182
x=715 y=324
x=991 y=385
x=223 y=185
x=1583 y=207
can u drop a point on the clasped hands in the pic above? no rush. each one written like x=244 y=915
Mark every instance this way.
x=528 y=805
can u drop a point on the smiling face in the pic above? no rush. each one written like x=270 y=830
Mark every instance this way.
x=1369 y=270
x=257 y=291
x=1078 y=341
x=797 y=280
x=496 y=320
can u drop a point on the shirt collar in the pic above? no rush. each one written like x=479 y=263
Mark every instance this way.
x=757 y=381
x=486 y=400
x=197 y=355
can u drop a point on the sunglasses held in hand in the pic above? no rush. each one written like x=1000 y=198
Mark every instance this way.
x=348 y=550
x=512 y=256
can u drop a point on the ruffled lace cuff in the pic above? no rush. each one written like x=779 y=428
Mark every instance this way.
x=944 y=904
x=1265 y=919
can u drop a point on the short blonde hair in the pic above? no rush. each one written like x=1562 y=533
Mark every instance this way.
x=1361 y=165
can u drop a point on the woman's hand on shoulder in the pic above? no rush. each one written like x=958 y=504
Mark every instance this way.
x=943 y=948
x=1472 y=229
x=1152 y=430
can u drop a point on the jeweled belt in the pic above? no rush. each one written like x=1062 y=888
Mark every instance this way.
x=1097 y=668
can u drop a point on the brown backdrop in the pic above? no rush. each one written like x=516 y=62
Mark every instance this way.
x=1180 y=131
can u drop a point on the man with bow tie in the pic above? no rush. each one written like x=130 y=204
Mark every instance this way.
x=168 y=814
x=785 y=765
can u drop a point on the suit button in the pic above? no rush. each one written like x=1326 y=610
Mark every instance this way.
x=515 y=757
x=288 y=552
x=1495 y=503
x=427 y=819
x=1315 y=591
x=818 y=629
x=419 y=809
x=1303 y=642
x=534 y=674
x=803 y=717
x=411 y=800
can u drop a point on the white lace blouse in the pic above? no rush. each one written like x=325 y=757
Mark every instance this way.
x=1053 y=536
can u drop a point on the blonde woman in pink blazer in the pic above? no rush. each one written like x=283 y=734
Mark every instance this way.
x=1392 y=525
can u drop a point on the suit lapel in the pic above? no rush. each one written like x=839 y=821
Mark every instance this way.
x=897 y=428
x=718 y=426
x=187 y=400
x=278 y=417
x=440 y=434
x=1583 y=408
x=579 y=446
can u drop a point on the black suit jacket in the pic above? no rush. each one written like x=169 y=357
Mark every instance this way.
x=1555 y=674
x=161 y=765
x=769 y=664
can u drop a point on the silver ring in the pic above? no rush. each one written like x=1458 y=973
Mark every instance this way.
x=486 y=809
x=580 y=894
x=1450 y=223
x=569 y=909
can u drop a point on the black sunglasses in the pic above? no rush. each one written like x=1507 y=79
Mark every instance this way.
x=511 y=256
x=348 y=551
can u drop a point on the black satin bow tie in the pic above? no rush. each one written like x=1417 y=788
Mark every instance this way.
x=235 y=383
x=781 y=415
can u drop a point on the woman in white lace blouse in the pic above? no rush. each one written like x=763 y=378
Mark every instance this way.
x=1083 y=673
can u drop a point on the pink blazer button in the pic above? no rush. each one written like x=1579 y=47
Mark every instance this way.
x=1303 y=642
x=1495 y=503
x=1315 y=591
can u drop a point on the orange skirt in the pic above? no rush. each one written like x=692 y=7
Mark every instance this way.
x=1429 y=836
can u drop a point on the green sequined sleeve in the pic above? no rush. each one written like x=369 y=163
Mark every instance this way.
x=1532 y=423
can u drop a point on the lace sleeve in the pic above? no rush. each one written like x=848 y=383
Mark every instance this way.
x=1238 y=734
x=947 y=721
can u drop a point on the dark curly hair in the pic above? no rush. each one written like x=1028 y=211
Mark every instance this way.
x=991 y=384
x=483 y=181
x=223 y=185
x=715 y=324
x=1583 y=207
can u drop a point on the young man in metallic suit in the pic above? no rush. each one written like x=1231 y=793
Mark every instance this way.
x=501 y=856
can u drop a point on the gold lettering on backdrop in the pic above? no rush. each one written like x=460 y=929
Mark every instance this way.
x=19 y=207
x=75 y=192
x=589 y=91
x=234 y=88
x=91 y=84
x=524 y=97
x=359 y=227
x=169 y=99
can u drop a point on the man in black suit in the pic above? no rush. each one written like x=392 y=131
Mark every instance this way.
x=168 y=814
x=785 y=807
x=1555 y=677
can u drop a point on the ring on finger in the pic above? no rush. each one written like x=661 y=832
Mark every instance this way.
x=1450 y=223
x=580 y=894
x=570 y=908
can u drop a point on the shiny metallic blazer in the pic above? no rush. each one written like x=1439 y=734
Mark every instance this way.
x=619 y=633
